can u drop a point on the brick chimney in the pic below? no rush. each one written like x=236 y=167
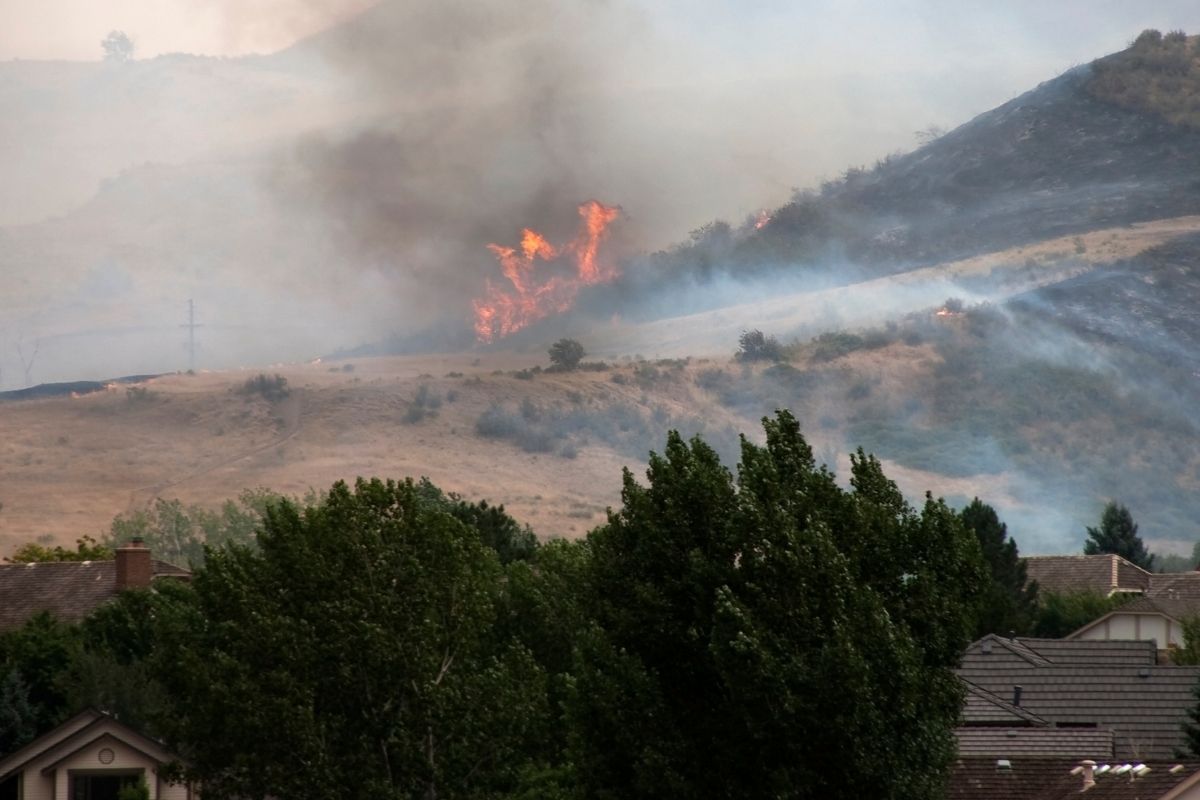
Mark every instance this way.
x=134 y=568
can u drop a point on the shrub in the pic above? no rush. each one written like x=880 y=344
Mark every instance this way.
x=565 y=354
x=756 y=346
x=270 y=387
x=830 y=346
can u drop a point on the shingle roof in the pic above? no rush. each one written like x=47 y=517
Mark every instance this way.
x=1025 y=651
x=70 y=590
x=1104 y=573
x=980 y=778
x=1151 y=785
x=984 y=707
x=1000 y=742
x=1175 y=585
x=1113 y=685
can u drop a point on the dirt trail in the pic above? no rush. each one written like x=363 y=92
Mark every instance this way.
x=290 y=410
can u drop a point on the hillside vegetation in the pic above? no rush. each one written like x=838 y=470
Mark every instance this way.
x=1158 y=75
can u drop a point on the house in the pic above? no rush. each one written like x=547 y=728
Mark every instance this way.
x=1093 y=699
x=70 y=590
x=88 y=757
x=1163 y=600
x=1034 y=778
x=1105 y=574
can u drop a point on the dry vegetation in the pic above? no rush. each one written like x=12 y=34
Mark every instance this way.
x=1158 y=74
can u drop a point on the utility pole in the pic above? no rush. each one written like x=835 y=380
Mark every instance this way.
x=191 y=326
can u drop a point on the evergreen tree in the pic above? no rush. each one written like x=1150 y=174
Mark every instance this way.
x=1009 y=604
x=1118 y=534
x=18 y=718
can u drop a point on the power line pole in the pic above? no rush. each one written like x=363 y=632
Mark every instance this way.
x=191 y=326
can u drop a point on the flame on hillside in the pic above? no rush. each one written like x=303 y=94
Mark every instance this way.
x=536 y=288
x=761 y=219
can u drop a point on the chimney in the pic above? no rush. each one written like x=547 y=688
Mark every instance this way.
x=1089 y=776
x=134 y=568
x=1016 y=696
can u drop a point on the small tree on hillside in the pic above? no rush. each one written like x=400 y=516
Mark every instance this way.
x=1118 y=534
x=117 y=46
x=565 y=354
x=756 y=346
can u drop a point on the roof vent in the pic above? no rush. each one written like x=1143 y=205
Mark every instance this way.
x=1003 y=765
x=1010 y=733
x=1017 y=696
x=1178 y=768
x=1121 y=770
x=1139 y=771
x=1144 y=672
x=986 y=648
x=1103 y=769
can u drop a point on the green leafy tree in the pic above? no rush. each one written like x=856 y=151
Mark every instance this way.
x=135 y=791
x=86 y=549
x=1063 y=613
x=1009 y=603
x=351 y=654
x=1118 y=534
x=18 y=718
x=497 y=529
x=1191 y=728
x=744 y=633
x=565 y=354
x=1189 y=654
x=43 y=650
x=178 y=533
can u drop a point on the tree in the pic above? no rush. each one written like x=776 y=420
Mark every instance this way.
x=86 y=549
x=565 y=354
x=744 y=633
x=18 y=719
x=350 y=654
x=1060 y=614
x=117 y=46
x=1118 y=534
x=1009 y=603
x=756 y=346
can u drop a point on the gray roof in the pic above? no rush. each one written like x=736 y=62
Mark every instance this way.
x=1075 y=743
x=1175 y=585
x=1103 y=574
x=984 y=707
x=1024 y=651
x=1029 y=778
x=70 y=590
x=1114 y=685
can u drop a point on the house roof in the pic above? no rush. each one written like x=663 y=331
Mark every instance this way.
x=979 y=778
x=70 y=590
x=85 y=728
x=1159 y=783
x=1113 y=685
x=1105 y=574
x=1000 y=742
x=984 y=707
x=1059 y=779
x=1175 y=585
x=1029 y=651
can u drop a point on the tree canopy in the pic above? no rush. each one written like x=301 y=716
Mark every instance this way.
x=1118 y=534
x=749 y=633
x=565 y=354
x=1009 y=604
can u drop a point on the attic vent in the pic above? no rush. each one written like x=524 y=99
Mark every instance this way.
x=1175 y=770
x=1144 y=672
x=1003 y=765
x=986 y=648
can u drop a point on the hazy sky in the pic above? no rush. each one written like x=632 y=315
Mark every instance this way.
x=1013 y=36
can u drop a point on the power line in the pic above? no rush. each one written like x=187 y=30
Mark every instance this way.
x=191 y=328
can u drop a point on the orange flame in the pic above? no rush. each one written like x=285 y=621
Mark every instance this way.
x=531 y=297
x=761 y=220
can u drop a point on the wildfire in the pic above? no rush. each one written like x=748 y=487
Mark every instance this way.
x=533 y=294
x=761 y=220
